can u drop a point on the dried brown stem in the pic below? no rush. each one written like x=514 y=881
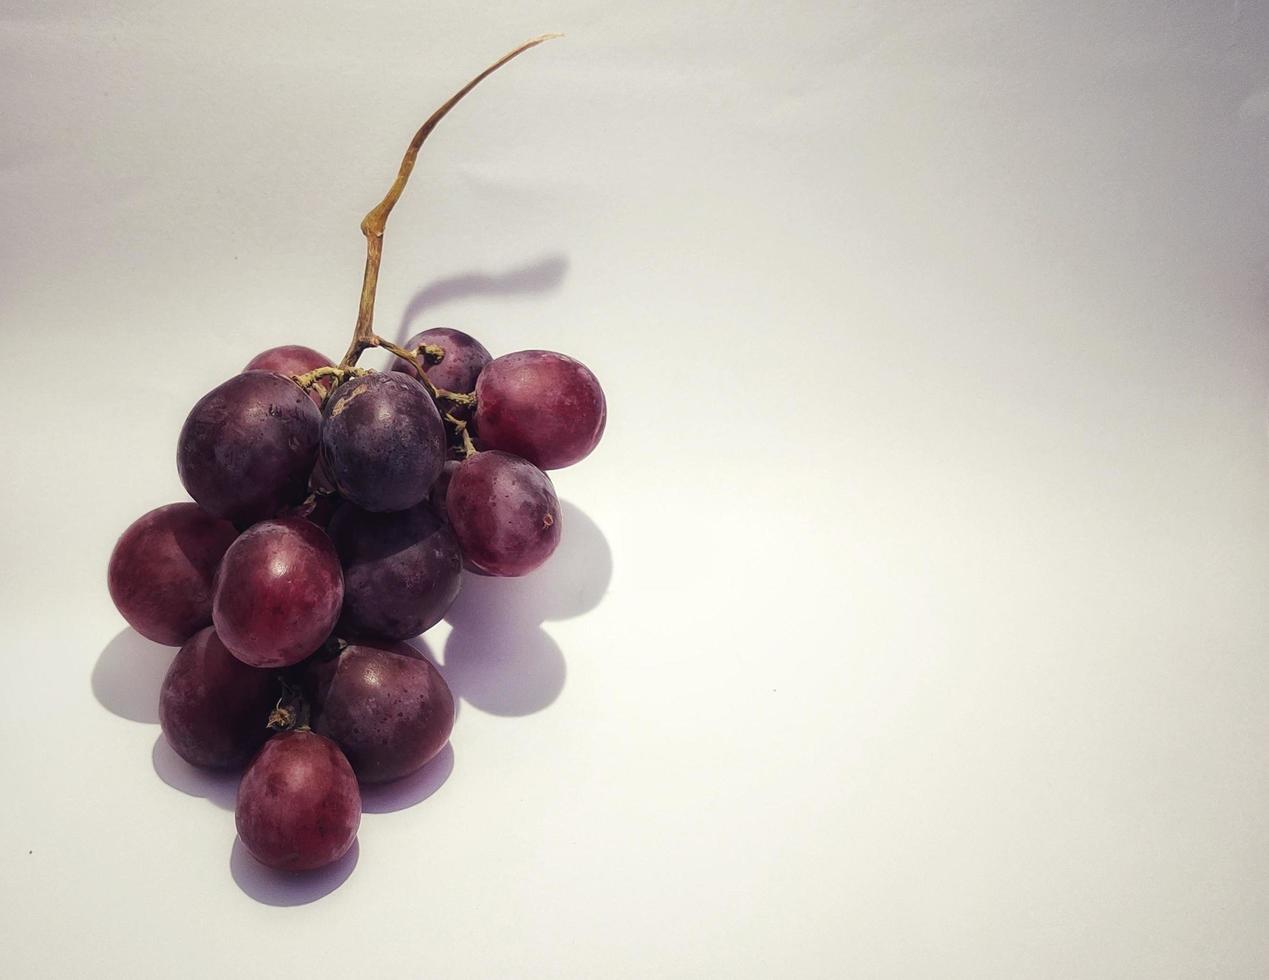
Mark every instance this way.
x=461 y=427
x=310 y=379
x=415 y=358
x=291 y=712
x=373 y=224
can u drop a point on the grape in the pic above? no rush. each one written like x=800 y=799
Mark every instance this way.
x=278 y=592
x=401 y=571
x=387 y=707
x=383 y=442
x=248 y=446
x=162 y=571
x=504 y=512
x=464 y=358
x=543 y=406
x=291 y=360
x=298 y=803
x=441 y=488
x=214 y=708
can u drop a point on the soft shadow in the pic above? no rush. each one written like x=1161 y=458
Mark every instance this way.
x=539 y=276
x=409 y=790
x=283 y=888
x=220 y=788
x=497 y=656
x=504 y=668
x=573 y=581
x=128 y=675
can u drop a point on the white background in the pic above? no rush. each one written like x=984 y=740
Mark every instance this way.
x=911 y=619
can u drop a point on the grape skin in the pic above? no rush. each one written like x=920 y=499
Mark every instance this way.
x=290 y=360
x=543 y=406
x=465 y=357
x=387 y=707
x=401 y=570
x=440 y=489
x=213 y=708
x=162 y=570
x=504 y=512
x=298 y=803
x=248 y=446
x=278 y=593
x=383 y=442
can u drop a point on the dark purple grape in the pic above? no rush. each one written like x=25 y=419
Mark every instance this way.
x=214 y=709
x=505 y=513
x=248 y=446
x=294 y=359
x=162 y=571
x=278 y=592
x=440 y=489
x=298 y=803
x=401 y=571
x=464 y=358
x=383 y=442
x=543 y=406
x=387 y=707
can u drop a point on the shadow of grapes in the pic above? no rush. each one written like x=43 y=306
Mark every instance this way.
x=282 y=888
x=539 y=276
x=219 y=788
x=497 y=657
x=128 y=675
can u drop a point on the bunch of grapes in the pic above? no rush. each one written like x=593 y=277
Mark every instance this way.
x=334 y=511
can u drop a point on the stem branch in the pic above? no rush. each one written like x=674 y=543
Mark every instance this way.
x=373 y=224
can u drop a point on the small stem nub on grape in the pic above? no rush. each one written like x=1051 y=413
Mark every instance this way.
x=291 y=711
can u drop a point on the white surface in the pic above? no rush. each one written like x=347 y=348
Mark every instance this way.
x=910 y=621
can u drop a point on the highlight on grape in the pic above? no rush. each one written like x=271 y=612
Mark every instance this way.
x=334 y=510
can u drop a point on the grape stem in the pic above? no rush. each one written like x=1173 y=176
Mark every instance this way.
x=414 y=358
x=372 y=225
x=460 y=426
x=291 y=712
x=307 y=381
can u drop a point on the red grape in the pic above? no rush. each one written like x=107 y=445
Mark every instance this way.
x=298 y=803
x=504 y=512
x=387 y=707
x=401 y=571
x=383 y=442
x=464 y=358
x=293 y=359
x=278 y=593
x=214 y=709
x=543 y=406
x=248 y=446
x=162 y=571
